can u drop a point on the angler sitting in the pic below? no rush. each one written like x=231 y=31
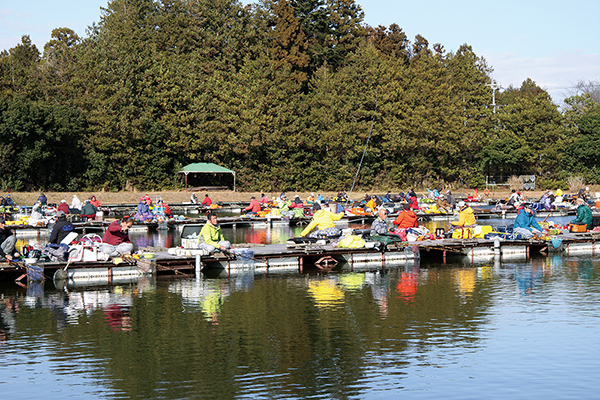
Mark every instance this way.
x=7 y=242
x=116 y=240
x=143 y=213
x=211 y=236
x=323 y=220
x=584 y=214
x=379 y=226
x=61 y=229
x=525 y=223
x=88 y=211
x=253 y=208
x=407 y=218
x=442 y=204
x=466 y=217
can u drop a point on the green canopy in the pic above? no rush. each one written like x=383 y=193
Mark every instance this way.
x=205 y=168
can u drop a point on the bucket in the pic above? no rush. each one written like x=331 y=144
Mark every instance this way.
x=99 y=216
x=577 y=228
x=598 y=204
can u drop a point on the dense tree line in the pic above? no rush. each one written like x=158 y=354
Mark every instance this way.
x=283 y=92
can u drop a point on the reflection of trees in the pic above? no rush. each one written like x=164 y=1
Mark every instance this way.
x=275 y=336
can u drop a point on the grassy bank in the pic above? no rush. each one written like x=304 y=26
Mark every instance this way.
x=132 y=197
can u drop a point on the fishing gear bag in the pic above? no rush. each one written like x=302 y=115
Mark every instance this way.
x=56 y=252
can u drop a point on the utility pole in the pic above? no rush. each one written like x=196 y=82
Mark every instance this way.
x=494 y=87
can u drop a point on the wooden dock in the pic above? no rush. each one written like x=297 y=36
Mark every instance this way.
x=317 y=256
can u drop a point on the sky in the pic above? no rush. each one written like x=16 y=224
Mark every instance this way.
x=553 y=42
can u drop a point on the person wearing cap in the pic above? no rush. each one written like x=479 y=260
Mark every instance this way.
x=442 y=204
x=545 y=200
x=143 y=213
x=525 y=223
x=407 y=218
x=584 y=214
x=211 y=236
x=7 y=242
x=8 y=201
x=379 y=226
x=284 y=207
x=465 y=215
x=116 y=240
x=63 y=206
x=166 y=209
x=311 y=199
x=88 y=211
x=61 y=229
x=253 y=208
x=42 y=199
x=297 y=203
x=193 y=198
x=95 y=202
x=323 y=220
x=388 y=197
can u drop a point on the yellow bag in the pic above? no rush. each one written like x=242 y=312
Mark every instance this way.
x=351 y=242
x=462 y=233
x=481 y=231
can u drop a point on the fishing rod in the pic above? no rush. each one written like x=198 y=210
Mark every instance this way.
x=366 y=145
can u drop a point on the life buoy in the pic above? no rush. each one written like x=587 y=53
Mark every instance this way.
x=486 y=192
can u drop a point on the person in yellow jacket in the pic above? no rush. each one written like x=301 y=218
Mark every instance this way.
x=465 y=215
x=323 y=220
x=211 y=237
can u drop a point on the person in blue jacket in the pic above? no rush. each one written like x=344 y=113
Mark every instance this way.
x=525 y=223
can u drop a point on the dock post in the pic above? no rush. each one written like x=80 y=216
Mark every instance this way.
x=198 y=265
x=497 y=248
x=503 y=214
x=444 y=256
x=301 y=263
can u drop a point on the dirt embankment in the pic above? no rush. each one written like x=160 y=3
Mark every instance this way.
x=127 y=197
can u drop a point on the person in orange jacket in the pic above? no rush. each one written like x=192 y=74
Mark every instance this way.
x=407 y=218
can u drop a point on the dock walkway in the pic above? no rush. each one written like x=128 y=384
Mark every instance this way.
x=299 y=258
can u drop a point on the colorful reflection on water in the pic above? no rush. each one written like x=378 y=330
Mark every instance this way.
x=494 y=330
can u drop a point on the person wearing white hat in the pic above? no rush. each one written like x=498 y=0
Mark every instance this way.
x=442 y=204
x=63 y=206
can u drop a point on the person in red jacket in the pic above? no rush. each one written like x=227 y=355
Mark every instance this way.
x=63 y=206
x=254 y=207
x=412 y=201
x=207 y=201
x=116 y=240
x=407 y=218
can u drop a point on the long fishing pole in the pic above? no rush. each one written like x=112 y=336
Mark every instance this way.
x=366 y=146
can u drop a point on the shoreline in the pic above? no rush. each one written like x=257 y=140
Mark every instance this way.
x=182 y=196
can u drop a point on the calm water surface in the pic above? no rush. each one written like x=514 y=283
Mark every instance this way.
x=525 y=329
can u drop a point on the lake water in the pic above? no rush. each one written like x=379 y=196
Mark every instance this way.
x=517 y=330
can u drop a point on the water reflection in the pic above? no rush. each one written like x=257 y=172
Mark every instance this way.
x=326 y=293
x=336 y=335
